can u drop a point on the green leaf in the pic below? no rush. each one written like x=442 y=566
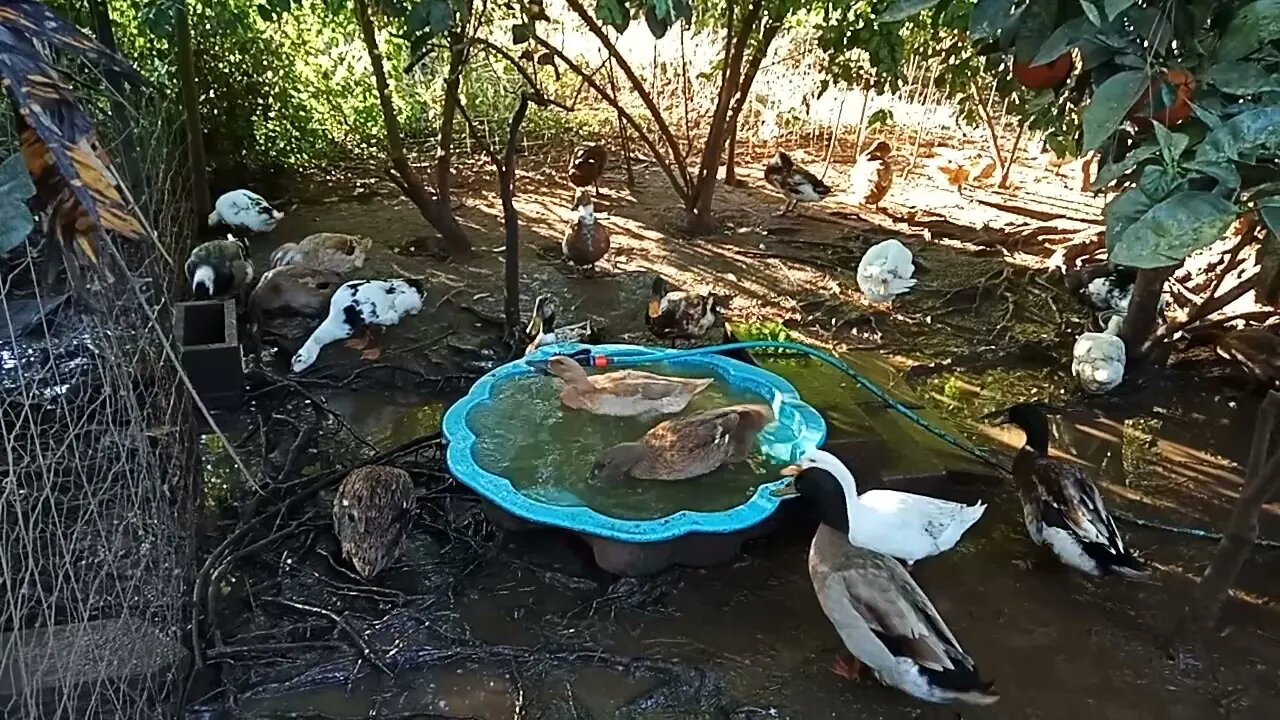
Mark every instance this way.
x=16 y=189
x=1241 y=78
x=658 y=24
x=1174 y=229
x=520 y=33
x=430 y=18
x=903 y=9
x=681 y=10
x=1224 y=172
x=1092 y=12
x=1123 y=211
x=1254 y=26
x=1245 y=135
x=1267 y=283
x=1270 y=212
x=1114 y=171
x=1172 y=144
x=1035 y=25
x=1159 y=182
x=1210 y=118
x=1110 y=102
x=614 y=14
x=1070 y=34
x=1115 y=7
x=989 y=17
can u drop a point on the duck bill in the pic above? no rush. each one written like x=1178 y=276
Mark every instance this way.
x=785 y=490
x=790 y=471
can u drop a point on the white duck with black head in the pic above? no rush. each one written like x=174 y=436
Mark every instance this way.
x=1061 y=505
x=907 y=526
x=883 y=618
x=244 y=211
x=362 y=307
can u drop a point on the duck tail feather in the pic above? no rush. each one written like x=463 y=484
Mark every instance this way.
x=898 y=286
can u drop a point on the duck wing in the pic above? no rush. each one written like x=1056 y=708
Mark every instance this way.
x=1070 y=501
x=910 y=526
x=688 y=447
x=800 y=180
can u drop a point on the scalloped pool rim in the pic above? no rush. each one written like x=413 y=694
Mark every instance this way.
x=497 y=489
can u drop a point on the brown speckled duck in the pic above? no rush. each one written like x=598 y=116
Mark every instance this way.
x=586 y=241
x=623 y=393
x=586 y=165
x=676 y=314
x=371 y=513
x=335 y=252
x=686 y=447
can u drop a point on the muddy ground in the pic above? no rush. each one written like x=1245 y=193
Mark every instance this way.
x=477 y=624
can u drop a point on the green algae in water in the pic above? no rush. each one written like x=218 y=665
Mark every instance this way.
x=546 y=451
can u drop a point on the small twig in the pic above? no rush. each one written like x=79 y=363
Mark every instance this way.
x=365 y=649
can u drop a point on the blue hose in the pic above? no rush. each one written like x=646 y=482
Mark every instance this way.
x=888 y=400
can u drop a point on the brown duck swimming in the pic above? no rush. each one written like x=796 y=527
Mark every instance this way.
x=371 y=514
x=587 y=164
x=586 y=241
x=623 y=393
x=683 y=448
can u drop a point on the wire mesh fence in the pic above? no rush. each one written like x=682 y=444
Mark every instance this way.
x=96 y=461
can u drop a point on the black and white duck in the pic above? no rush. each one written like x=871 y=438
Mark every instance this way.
x=796 y=183
x=244 y=211
x=542 y=329
x=1061 y=505
x=365 y=307
x=219 y=268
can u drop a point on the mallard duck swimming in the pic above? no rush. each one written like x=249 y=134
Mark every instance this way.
x=364 y=306
x=219 y=268
x=1062 y=507
x=795 y=182
x=586 y=241
x=623 y=393
x=683 y=448
x=872 y=176
x=882 y=616
x=885 y=271
x=678 y=314
x=1256 y=349
x=904 y=525
x=290 y=302
x=542 y=329
x=1097 y=359
x=328 y=251
x=244 y=211
x=587 y=164
x=372 y=511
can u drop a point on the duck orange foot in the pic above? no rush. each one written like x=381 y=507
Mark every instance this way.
x=847 y=667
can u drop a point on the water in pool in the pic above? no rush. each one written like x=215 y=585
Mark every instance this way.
x=523 y=434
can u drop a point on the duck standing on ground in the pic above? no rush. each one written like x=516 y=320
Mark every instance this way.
x=244 y=211
x=677 y=314
x=586 y=241
x=1062 y=507
x=337 y=252
x=686 y=447
x=1097 y=359
x=882 y=616
x=364 y=306
x=290 y=302
x=885 y=271
x=587 y=164
x=795 y=182
x=623 y=393
x=219 y=268
x=872 y=176
x=372 y=511
x=904 y=525
x=542 y=329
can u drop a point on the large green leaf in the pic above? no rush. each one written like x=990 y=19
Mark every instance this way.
x=1114 y=171
x=1070 y=34
x=1174 y=229
x=1035 y=25
x=15 y=189
x=1123 y=211
x=1224 y=172
x=1115 y=7
x=1158 y=182
x=1241 y=78
x=1255 y=25
x=1172 y=144
x=989 y=17
x=1243 y=136
x=658 y=23
x=903 y=9
x=1110 y=102
x=1269 y=209
x=1093 y=12
x=613 y=13
x=431 y=17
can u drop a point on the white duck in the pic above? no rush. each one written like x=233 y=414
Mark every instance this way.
x=244 y=211
x=1097 y=359
x=364 y=306
x=885 y=271
x=904 y=525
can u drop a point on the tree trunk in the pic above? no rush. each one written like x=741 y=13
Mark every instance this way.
x=448 y=113
x=128 y=154
x=1262 y=476
x=731 y=155
x=1140 y=321
x=185 y=61
x=992 y=136
x=454 y=239
x=511 y=221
